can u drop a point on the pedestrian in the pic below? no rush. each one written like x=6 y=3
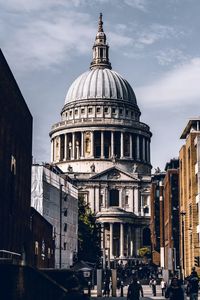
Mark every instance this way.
x=73 y=288
x=193 y=286
x=174 y=291
x=106 y=291
x=134 y=290
x=152 y=283
x=163 y=286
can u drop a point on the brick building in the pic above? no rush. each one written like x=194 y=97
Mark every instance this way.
x=15 y=164
x=171 y=217
x=156 y=222
x=189 y=195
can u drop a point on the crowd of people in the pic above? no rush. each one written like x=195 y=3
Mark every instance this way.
x=175 y=289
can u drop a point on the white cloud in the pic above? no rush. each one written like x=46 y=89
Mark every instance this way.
x=48 y=41
x=139 y=4
x=176 y=88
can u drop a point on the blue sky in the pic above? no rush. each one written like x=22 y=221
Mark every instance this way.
x=154 y=44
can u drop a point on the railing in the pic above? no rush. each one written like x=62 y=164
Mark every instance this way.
x=12 y=257
x=96 y=121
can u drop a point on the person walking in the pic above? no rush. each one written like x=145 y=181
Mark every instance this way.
x=152 y=283
x=193 y=286
x=163 y=286
x=134 y=290
x=174 y=291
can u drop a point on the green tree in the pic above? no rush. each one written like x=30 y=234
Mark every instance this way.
x=88 y=233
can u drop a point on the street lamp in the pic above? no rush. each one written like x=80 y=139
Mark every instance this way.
x=183 y=213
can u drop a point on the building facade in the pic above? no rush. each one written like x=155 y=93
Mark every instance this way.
x=157 y=218
x=189 y=196
x=41 y=241
x=15 y=165
x=171 y=218
x=56 y=199
x=101 y=143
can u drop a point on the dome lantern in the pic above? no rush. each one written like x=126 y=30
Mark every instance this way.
x=100 y=49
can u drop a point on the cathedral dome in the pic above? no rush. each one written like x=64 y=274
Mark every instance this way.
x=100 y=83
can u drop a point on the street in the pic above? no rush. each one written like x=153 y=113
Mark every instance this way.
x=146 y=289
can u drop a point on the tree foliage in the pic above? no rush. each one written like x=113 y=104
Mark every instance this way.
x=88 y=233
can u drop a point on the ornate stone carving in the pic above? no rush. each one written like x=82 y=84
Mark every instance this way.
x=114 y=175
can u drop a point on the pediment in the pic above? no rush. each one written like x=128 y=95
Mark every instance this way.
x=113 y=174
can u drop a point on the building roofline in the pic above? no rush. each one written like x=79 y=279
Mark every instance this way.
x=188 y=127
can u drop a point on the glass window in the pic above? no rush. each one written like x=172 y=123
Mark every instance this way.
x=106 y=109
x=113 y=110
x=90 y=110
x=82 y=110
x=121 y=111
x=76 y=111
x=65 y=227
x=98 y=109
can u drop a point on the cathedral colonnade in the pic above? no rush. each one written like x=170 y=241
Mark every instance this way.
x=99 y=144
x=121 y=239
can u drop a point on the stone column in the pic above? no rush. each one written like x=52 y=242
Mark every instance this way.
x=137 y=239
x=122 y=145
x=77 y=150
x=59 y=147
x=143 y=149
x=82 y=144
x=121 y=240
x=73 y=145
x=137 y=147
x=131 y=200
x=52 y=150
x=102 y=144
x=131 y=145
x=65 y=147
x=112 y=144
x=136 y=206
x=111 y=240
x=92 y=144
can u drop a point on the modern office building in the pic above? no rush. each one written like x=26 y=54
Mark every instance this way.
x=56 y=199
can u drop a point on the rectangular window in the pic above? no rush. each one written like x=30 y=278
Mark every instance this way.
x=76 y=111
x=106 y=109
x=126 y=112
x=70 y=113
x=98 y=109
x=113 y=110
x=82 y=110
x=126 y=200
x=101 y=200
x=121 y=111
x=65 y=212
x=90 y=110
x=65 y=245
x=65 y=227
x=49 y=253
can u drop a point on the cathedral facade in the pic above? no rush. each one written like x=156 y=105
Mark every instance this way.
x=101 y=143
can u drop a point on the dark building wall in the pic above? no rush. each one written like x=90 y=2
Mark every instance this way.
x=41 y=241
x=171 y=219
x=15 y=163
x=155 y=222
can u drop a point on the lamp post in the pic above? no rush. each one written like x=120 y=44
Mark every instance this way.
x=183 y=213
